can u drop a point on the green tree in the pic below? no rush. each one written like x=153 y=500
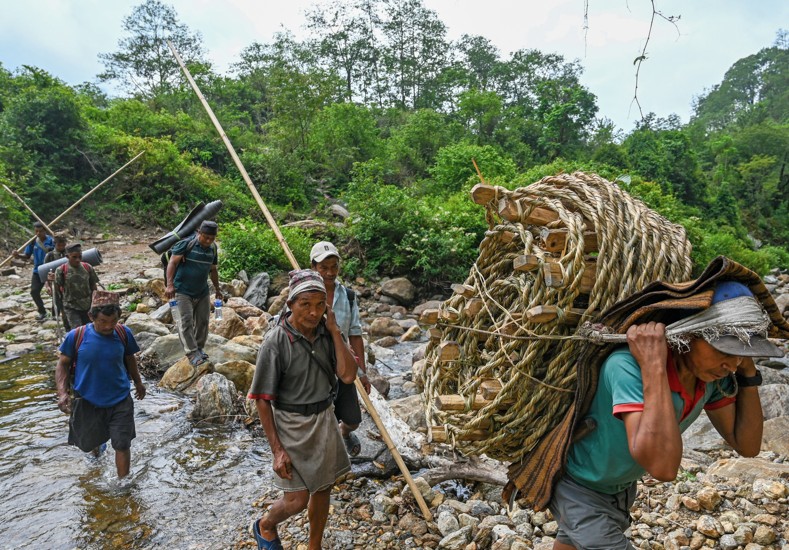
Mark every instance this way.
x=144 y=65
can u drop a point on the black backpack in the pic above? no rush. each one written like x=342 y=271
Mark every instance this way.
x=167 y=254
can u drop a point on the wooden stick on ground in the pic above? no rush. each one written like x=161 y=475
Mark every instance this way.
x=275 y=228
x=21 y=200
x=73 y=206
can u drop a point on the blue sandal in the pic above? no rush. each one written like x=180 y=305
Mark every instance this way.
x=263 y=544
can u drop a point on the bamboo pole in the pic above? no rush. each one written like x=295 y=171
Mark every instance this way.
x=275 y=228
x=17 y=197
x=73 y=206
x=269 y=218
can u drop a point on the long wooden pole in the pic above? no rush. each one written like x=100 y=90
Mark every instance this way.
x=17 y=197
x=269 y=218
x=73 y=206
x=274 y=227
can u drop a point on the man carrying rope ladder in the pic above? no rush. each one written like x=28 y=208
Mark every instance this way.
x=650 y=392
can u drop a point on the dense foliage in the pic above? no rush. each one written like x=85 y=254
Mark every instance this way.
x=379 y=110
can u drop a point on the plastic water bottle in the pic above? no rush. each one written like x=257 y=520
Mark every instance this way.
x=174 y=311
x=218 y=310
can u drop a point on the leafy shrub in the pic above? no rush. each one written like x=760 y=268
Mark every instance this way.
x=453 y=167
x=253 y=247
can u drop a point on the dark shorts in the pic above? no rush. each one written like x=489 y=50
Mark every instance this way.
x=90 y=426
x=589 y=519
x=346 y=404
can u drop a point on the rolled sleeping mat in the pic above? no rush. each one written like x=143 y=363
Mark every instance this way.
x=188 y=226
x=91 y=256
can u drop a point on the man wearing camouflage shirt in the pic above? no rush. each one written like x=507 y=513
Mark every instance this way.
x=76 y=280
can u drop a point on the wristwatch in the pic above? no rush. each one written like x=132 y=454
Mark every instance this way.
x=746 y=381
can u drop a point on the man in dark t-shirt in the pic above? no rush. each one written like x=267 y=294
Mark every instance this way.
x=187 y=274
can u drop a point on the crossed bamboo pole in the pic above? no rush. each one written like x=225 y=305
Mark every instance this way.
x=70 y=208
x=275 y=228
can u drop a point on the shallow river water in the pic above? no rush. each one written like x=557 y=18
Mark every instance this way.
x=191 y=485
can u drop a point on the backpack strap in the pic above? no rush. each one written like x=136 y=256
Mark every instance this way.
x=351 y=296
x=79 y=334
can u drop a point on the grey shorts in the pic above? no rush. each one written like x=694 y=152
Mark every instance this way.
x=90 y=426
x=591 y=520
x=346 y=404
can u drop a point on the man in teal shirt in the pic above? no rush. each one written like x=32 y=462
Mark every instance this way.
x=192 y=262
x=647 y=395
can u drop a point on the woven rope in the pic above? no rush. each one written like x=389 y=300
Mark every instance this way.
x=536 y=365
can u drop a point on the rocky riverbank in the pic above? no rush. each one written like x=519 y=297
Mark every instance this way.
x=718 y=500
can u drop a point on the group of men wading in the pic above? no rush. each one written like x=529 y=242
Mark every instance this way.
x=649 y=390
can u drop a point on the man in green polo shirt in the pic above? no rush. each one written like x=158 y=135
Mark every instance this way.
x=190 y=265
x=647 y=395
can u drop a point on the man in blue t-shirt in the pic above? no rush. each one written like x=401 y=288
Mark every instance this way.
x=38 y=249
x=190 y=265
x=101 y=408
x=647 y=395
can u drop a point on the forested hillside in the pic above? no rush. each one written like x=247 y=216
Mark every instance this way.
x=378 y=109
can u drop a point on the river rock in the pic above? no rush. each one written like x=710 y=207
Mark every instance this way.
x=748 y=469
x=155 y=287
x=385 y=326
x=142 y=308
x=257 y=291
x=387 y=342
x=709 y=526
x=456 y=540
x=238 y=372
x=410 y=410
x=214 y=399
x=182 y=376
x=709 y=498
x=167 y=350
x=163 y=314
x=236 y=288
x=782 y=301
x=248 y=340
x=243 y=308
x=447 y=523
x=775 y=400
x=401 y=289
x=380 y=383
x=229 y=326
x=145 y=339
x=412 y=334
x=18 y=348
x=257 y=326
x=775 y=436
x=771 y=489
x=764 y=535
x=139 y=322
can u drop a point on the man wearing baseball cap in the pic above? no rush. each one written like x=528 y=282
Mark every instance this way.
x=297 y=369
x=97 y=363
x=325 y=259
x=191 y=264
x=648 y=393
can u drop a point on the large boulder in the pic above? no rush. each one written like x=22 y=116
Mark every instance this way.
x=775 y=436
x=775 y=400
x=748 y=469
x=229 y=326
x=249 y=340
x=182 y=376
x=401 y=289
x=257 y=326
x=155 y=287
x=240 y=373
x=243 y=308
x=385 y=326
x=257 y=290
x=168 y=350
x=163 y=314
x=140 y=322
x=214 y=399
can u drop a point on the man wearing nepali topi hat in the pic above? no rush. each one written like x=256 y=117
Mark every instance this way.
x=96 y=365
x=294 y=387
x=75 y=282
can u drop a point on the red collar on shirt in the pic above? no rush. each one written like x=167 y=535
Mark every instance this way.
x=676 y=386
